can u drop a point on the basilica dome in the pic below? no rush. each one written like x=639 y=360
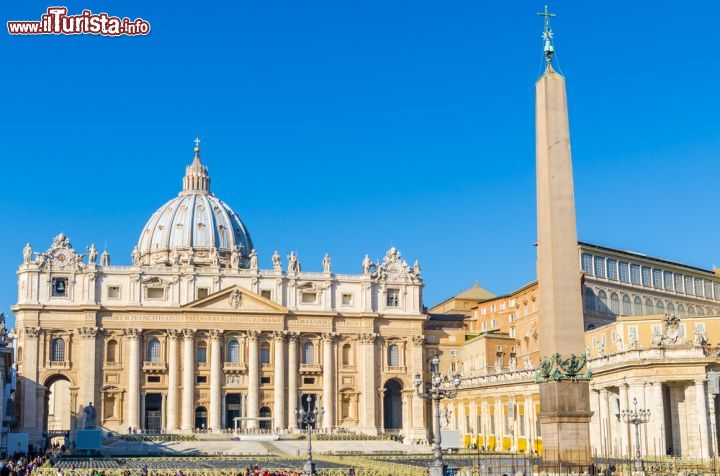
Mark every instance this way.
x=194 y=228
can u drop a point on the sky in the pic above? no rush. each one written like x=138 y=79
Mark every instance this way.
x=350 y=127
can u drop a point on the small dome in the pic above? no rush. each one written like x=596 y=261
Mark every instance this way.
x=194 y=228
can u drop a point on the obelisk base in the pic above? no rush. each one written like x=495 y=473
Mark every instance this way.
x=565 y=425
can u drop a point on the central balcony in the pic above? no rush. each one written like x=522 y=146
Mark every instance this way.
x=310 y=369
x=235 y=367
x=154 y=367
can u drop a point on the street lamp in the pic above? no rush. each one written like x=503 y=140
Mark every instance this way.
x=440 y=387
x=308 y=418
x=636 y=417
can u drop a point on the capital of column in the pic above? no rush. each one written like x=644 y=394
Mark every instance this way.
x=88 y=332
x=189 y=334
x=252 y=336
x=700 y=381
x=367 y=338
x=418 y=340
x=32 y=331
x=329 y=336
x=132 y=333
x=216 y=334
x=279 y=336
x=174 y=334
x=293 y=336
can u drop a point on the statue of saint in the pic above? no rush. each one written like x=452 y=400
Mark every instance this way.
x=277 y=264
x=135 y=256
x=326 y=263
x=174 y=257
x=293 y=263
x=190 y=257
x=367 y=264
x=27 y=253
x=235 y=258
x=416 y=267
x=214 y=257
x=89 y=417
x=253 y=259
x=92 y=254
x=105 y=258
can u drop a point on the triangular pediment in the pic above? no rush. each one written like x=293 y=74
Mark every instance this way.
x=236 y=299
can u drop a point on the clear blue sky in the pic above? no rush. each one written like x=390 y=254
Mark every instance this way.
x=348 y=127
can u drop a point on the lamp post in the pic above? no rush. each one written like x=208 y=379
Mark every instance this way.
x=308 y=418
x=636 y=417
x=439 y=388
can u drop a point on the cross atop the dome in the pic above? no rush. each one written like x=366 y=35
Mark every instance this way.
x=197 y=142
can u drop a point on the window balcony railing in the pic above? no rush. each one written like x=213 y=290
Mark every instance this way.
x=310 y=368
x=59 y=365
x=396 y=369
x=153 y=366
x=348 y=368
x=235 y=367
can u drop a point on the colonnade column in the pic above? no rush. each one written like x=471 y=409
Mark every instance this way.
x=701 y=411
x=292 y=393
x=188 y=393
x=624 y=427
x=528 y=424
x=418 y=404
x=328 y=418
x=216 y=372
x=133 y=417
x=367 y=375
x=253 y=376
x=31 y=419
x=604 y=417
x=87 y=387
x=658 y=417
x=173 y=385
x=279 y=384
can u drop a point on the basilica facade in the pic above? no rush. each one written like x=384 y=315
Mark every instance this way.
x=194 y=334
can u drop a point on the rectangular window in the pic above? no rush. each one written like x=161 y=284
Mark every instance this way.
x=599 y=266
x=586 y=262
x=624 y=272
x=656 y=330
x=678 y=279
x=635 y=274
x=716 y=291
x=689 y=285
x=153 y=379
x=155 y=293
x=308 y=380
x=479 y=424
x=492 y=323
x=201 y=356
x=483 y=326
x=612 y=271
x=700 y=328
x=708 y=289
x=266 y=293
x=347 y=299
x=522 y=425
x=202 y=293
x=201 y=379
x=265 y=380
x=392 y=298
x=646 y=277
x=681 y=330
x=632 y=333
x=668 y=278
x=657 y=278
x=309 y=298
x=113 y=292
x=59 y=287
x=699 y=290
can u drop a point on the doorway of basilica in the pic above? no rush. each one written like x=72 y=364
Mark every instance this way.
x=153 y=411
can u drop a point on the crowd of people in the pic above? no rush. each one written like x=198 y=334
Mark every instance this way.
x=21 y=464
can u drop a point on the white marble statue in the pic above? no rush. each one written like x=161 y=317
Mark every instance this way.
x=235 y=258
x=277 y=264
x=135 y=256
x=367 y=264
x=253 y=259
x=293 y=263
x=92 y=254
x=174 y=257
x=27 y=253
x=326 y=263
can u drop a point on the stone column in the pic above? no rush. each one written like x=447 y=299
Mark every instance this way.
x=328 y=420
x=279 y=384
x=604 y=418
x=31 y=420
x=528 y=424
x=624 y=427
x=293 y=371
x=368 y=397
x=701 y=412
x=133 y=417
x=461 y=419
x=89 y=346
x=216 y=373
x=188 y=371
x=173 y=384
x=657 y=416
x=253 y=377
x=419 y=430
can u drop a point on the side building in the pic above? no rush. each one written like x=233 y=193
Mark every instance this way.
x=651 y=330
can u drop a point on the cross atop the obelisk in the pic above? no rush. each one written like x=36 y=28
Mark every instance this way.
x=547 y=35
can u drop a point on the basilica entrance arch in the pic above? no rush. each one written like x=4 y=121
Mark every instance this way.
x=392 y=405
x=58 y=405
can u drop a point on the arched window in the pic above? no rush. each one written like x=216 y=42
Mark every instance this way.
x=153 y=350
x=681 y=310
x=602 y=301
x=659 y=307
x=308 y=355
x=637 y=306
x=201 y=352
x=626 y=306
x=393 y=356
x=649 y=308
x=691 y=310
x=589 y=300
x=265 y=353
x=233 y=351
x=111 y=353
x=701 y=311
x=347 y=354
x=614 y=303
x=57 y=350
x=671 y=308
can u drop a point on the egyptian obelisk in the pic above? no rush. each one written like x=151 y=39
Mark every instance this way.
x=564 y=398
